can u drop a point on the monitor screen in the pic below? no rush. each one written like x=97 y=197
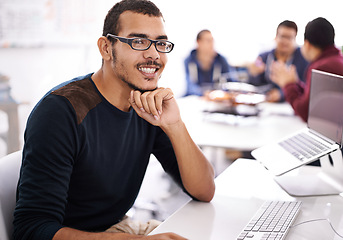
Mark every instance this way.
x=326 y=105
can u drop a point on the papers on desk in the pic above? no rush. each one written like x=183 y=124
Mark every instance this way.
x=234 y=98
x=195 y=107
x=245 y=87
x=250 y=99
x=228 y=114
x=235 y=101
x=228 y=119
x=230 y=107
x=281 y=109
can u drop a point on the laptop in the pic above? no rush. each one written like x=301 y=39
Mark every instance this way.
x=322 y=135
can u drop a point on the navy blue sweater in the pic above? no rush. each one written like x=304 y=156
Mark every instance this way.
x=297 y=60
x=83 y=162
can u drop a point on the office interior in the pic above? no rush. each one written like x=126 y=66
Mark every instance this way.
x=43 y=43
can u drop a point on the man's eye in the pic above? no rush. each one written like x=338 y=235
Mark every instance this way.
x=139 y=41
x=162 y=44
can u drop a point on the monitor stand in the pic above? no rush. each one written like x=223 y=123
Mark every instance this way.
x=315 y=181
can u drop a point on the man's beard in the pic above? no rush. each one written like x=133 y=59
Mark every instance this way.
x=134 y=87
x=125 y=80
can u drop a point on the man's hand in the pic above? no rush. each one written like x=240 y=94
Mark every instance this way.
x=165 y=236
x=257 y=67
x=281 y=74
x=158 y=107
x=274 y=95
x=69 y=233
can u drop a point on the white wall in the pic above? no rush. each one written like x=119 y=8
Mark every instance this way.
x=241 y=29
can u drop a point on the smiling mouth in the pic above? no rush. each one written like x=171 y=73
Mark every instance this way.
x=148 y=70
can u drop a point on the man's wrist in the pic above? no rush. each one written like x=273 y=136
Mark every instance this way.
x=174 y=129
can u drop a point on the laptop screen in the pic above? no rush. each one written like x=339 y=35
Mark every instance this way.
x=326 y=105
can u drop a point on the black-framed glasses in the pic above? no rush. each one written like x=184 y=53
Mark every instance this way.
x=141 y=44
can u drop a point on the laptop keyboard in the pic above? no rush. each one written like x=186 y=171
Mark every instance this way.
x=303 y=146
x=271 y=221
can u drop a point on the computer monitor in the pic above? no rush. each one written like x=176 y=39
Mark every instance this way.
x=325 y=105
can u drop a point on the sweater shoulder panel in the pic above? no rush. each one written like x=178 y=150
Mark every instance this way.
x=82 y=95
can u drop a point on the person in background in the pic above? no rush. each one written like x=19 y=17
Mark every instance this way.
x=286 y=52
x=204 y=66
x=89 y=140
x=320 y=50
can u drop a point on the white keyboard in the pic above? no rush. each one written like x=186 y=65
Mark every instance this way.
x=271 y=221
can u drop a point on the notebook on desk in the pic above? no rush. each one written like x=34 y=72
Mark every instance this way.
x=322 y=135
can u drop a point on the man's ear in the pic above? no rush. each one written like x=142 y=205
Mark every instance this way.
x=306 y=43
x=105 y=48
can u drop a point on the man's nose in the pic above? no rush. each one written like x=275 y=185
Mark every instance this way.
x=152 y=53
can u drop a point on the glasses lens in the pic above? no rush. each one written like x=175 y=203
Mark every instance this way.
x=144 y=44
x=140 y=43
x=164 y=46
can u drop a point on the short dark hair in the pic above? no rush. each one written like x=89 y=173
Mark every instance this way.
x=111 y=23
x=320 y=33
x=288 y=24
x=201 y=32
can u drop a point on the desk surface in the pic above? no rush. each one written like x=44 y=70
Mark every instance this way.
x=240 y=191
x=275 y=121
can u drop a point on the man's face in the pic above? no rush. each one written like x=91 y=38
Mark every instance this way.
x=206 y=42
x=140 y=70
x=285 y=40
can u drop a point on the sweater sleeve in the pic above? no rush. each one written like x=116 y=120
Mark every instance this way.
x=49 y=150
x=164 y=152
x=298 y=96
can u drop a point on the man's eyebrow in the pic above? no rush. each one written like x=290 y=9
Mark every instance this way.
x=162 y=37
x=142 y=35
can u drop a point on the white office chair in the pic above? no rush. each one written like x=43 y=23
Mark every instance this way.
x=9 y=174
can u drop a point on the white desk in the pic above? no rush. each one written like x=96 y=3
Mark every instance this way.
x=276 y=120
x=240 y=190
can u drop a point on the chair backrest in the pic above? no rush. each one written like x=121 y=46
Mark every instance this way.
x=9 y=175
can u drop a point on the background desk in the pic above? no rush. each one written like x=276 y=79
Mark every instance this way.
x=240 y=190
x=276 y=120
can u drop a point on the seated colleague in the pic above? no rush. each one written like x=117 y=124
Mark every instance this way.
x=319 y=49
x=204 y=66
x=88 y=141
x=286 y=52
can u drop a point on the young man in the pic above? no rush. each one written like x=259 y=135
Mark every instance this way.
x=319 y=49
x=88 y=142
x=286 y=52
x=204 y=66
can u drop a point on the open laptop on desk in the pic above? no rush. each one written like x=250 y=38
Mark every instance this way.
x=325 y=126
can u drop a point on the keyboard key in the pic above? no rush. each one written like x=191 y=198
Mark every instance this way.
x=303 y=146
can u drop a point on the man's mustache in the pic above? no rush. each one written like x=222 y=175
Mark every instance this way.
x=150 y=63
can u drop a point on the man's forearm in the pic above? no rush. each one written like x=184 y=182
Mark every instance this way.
x=70 y=233
x=196 y=172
